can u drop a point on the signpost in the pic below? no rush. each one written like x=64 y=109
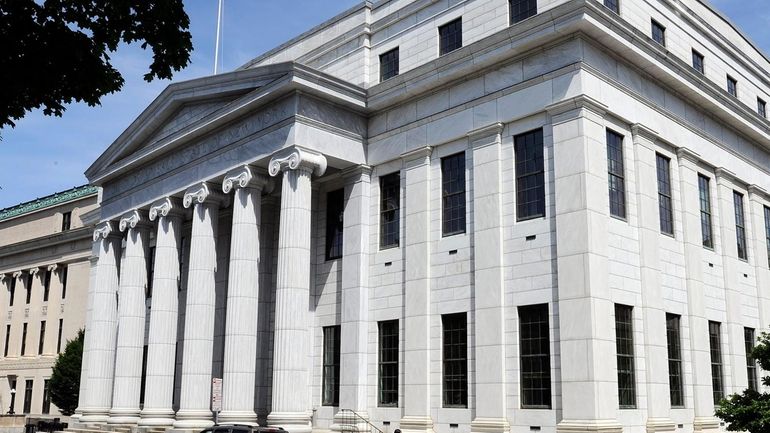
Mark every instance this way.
x=216 y=397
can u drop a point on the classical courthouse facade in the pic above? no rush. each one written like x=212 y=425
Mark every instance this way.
x=468 y=215
x=44 y=266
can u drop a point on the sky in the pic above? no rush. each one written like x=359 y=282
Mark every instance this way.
x=43 y=155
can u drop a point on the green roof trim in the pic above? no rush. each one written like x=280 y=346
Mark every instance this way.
x=47 y=201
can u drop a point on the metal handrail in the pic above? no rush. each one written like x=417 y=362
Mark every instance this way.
x=361 y=419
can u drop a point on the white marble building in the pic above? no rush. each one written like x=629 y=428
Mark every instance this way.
x=457 y=216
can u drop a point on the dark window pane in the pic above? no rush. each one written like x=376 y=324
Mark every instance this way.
x=388 y=363
x=453 y=194
x=658 y=33
x=23 y=339
x=66 y=221
x=28 y=384
x=46 y=397
x=30 y=279
x=530 y=177
x=751 y=363
x=665 y=206
x=450 y=36
x=63 y=276
x=762 y=107
x=389 y=64
x=697 y=61
x=335 y=210
x=455 y=360
x=732 y=86
x=12 y=291
x=58 y=339
x=534 y=342
x=674 y=340
x=767 y=233
x=41 y=341
x=624 y=344
x=616 y=174
x=522 y=9
x=740 y=226
x=612 y=5
x=7 y=338
x=706 y=226
x=46 y=285
x=715 y=344
x=331 y=366
x=390 y=203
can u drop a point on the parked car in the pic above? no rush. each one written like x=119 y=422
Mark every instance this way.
x=240 y=428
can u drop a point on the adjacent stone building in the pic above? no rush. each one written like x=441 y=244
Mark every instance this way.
x=449 y=216
x=44 y=266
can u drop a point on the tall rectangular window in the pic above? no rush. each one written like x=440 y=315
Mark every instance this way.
x=613 y=5
x=335 y=211
x=624 y=344
x=46 y=285
x=63 y=276
x=331 y=366
x=30 y=279
x=388 y=363
x=388 y=64
x=706 y=227
x=7 y=339
x=697 y=61
x=751 y=364
x=11 y=291
x=455 y=360
x=390 y=204
x=535 y=356
x=522 y=9
x=740 y=226
x=715 y=345
x=530 y=175
x=450 y=36
x=23 y=339
x=66 y=221
x=616 y=180
x=762 y=107
x=453 y=194
x=767 y=233
x=46 y=409
x=658 y=33
x=674 y=341
x=665 y=206
x=41 y=341
x=28 y=384
x=732 y=86
x=58 y=338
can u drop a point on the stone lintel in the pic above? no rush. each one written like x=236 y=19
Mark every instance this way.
x=574 y=104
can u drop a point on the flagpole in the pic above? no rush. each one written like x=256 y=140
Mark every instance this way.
x=219 y=26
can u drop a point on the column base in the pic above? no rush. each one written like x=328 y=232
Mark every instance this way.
x=95 y=416
x=490 y=425
x=156 y=418
x=705 y=424
x=292 y=422
x=189 y=419
x=243 y=417
x=589 y=426
x=655 y=425
x=416 y=424
x=123 y=416
x=347 y=420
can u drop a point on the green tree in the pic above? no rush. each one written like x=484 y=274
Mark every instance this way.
x=750 y=410
x=55 y=52
x=65 y=378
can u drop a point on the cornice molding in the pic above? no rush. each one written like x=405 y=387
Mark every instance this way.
x=479 y=137
x=357 y=173
x=722 y=174
x=637 y=129
x=685 y=154
x=49 y=201
x=419 y=153
x=165 y=207
x=577 y=103
x=756 y=192
x=296 y=157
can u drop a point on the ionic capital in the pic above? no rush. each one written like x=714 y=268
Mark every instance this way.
x=53 y=267
x=165 y=207
x=199 y=194
x=133 y=219
x=294 y=158
x=17 y=274
x=33 y=271
x=244 y=177
x=103 y=231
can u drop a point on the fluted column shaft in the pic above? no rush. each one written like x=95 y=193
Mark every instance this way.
x=161 y=345
x=195 y=401
x=240 y=358
x=131 y=319
x=101 y=344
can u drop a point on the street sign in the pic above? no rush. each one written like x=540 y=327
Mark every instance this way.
x=216 y=394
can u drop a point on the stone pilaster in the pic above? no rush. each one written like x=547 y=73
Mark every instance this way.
x=291 y=401
x=758 y=199
x=653 y=312
x=586 y=331
x=355 y=296
x=489 y=307
x=703 y=402
x=195 y=401
x=162 y=338
x=83 y=391
x=240 y=357
x=103 y=328
x=417 y=409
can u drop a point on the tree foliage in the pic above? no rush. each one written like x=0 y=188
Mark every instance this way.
x=750 y=410
x=65 y=378
x=55 y=52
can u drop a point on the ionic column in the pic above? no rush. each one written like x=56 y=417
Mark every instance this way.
x=100 y=347
x=161 y=342
x=240 y=357
x=417 y=411
x=703 y=400
x=195 y=401
x=355 y=297
x=489 y=301
x=589 y=387
x=291 y=402
x=653 y=312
